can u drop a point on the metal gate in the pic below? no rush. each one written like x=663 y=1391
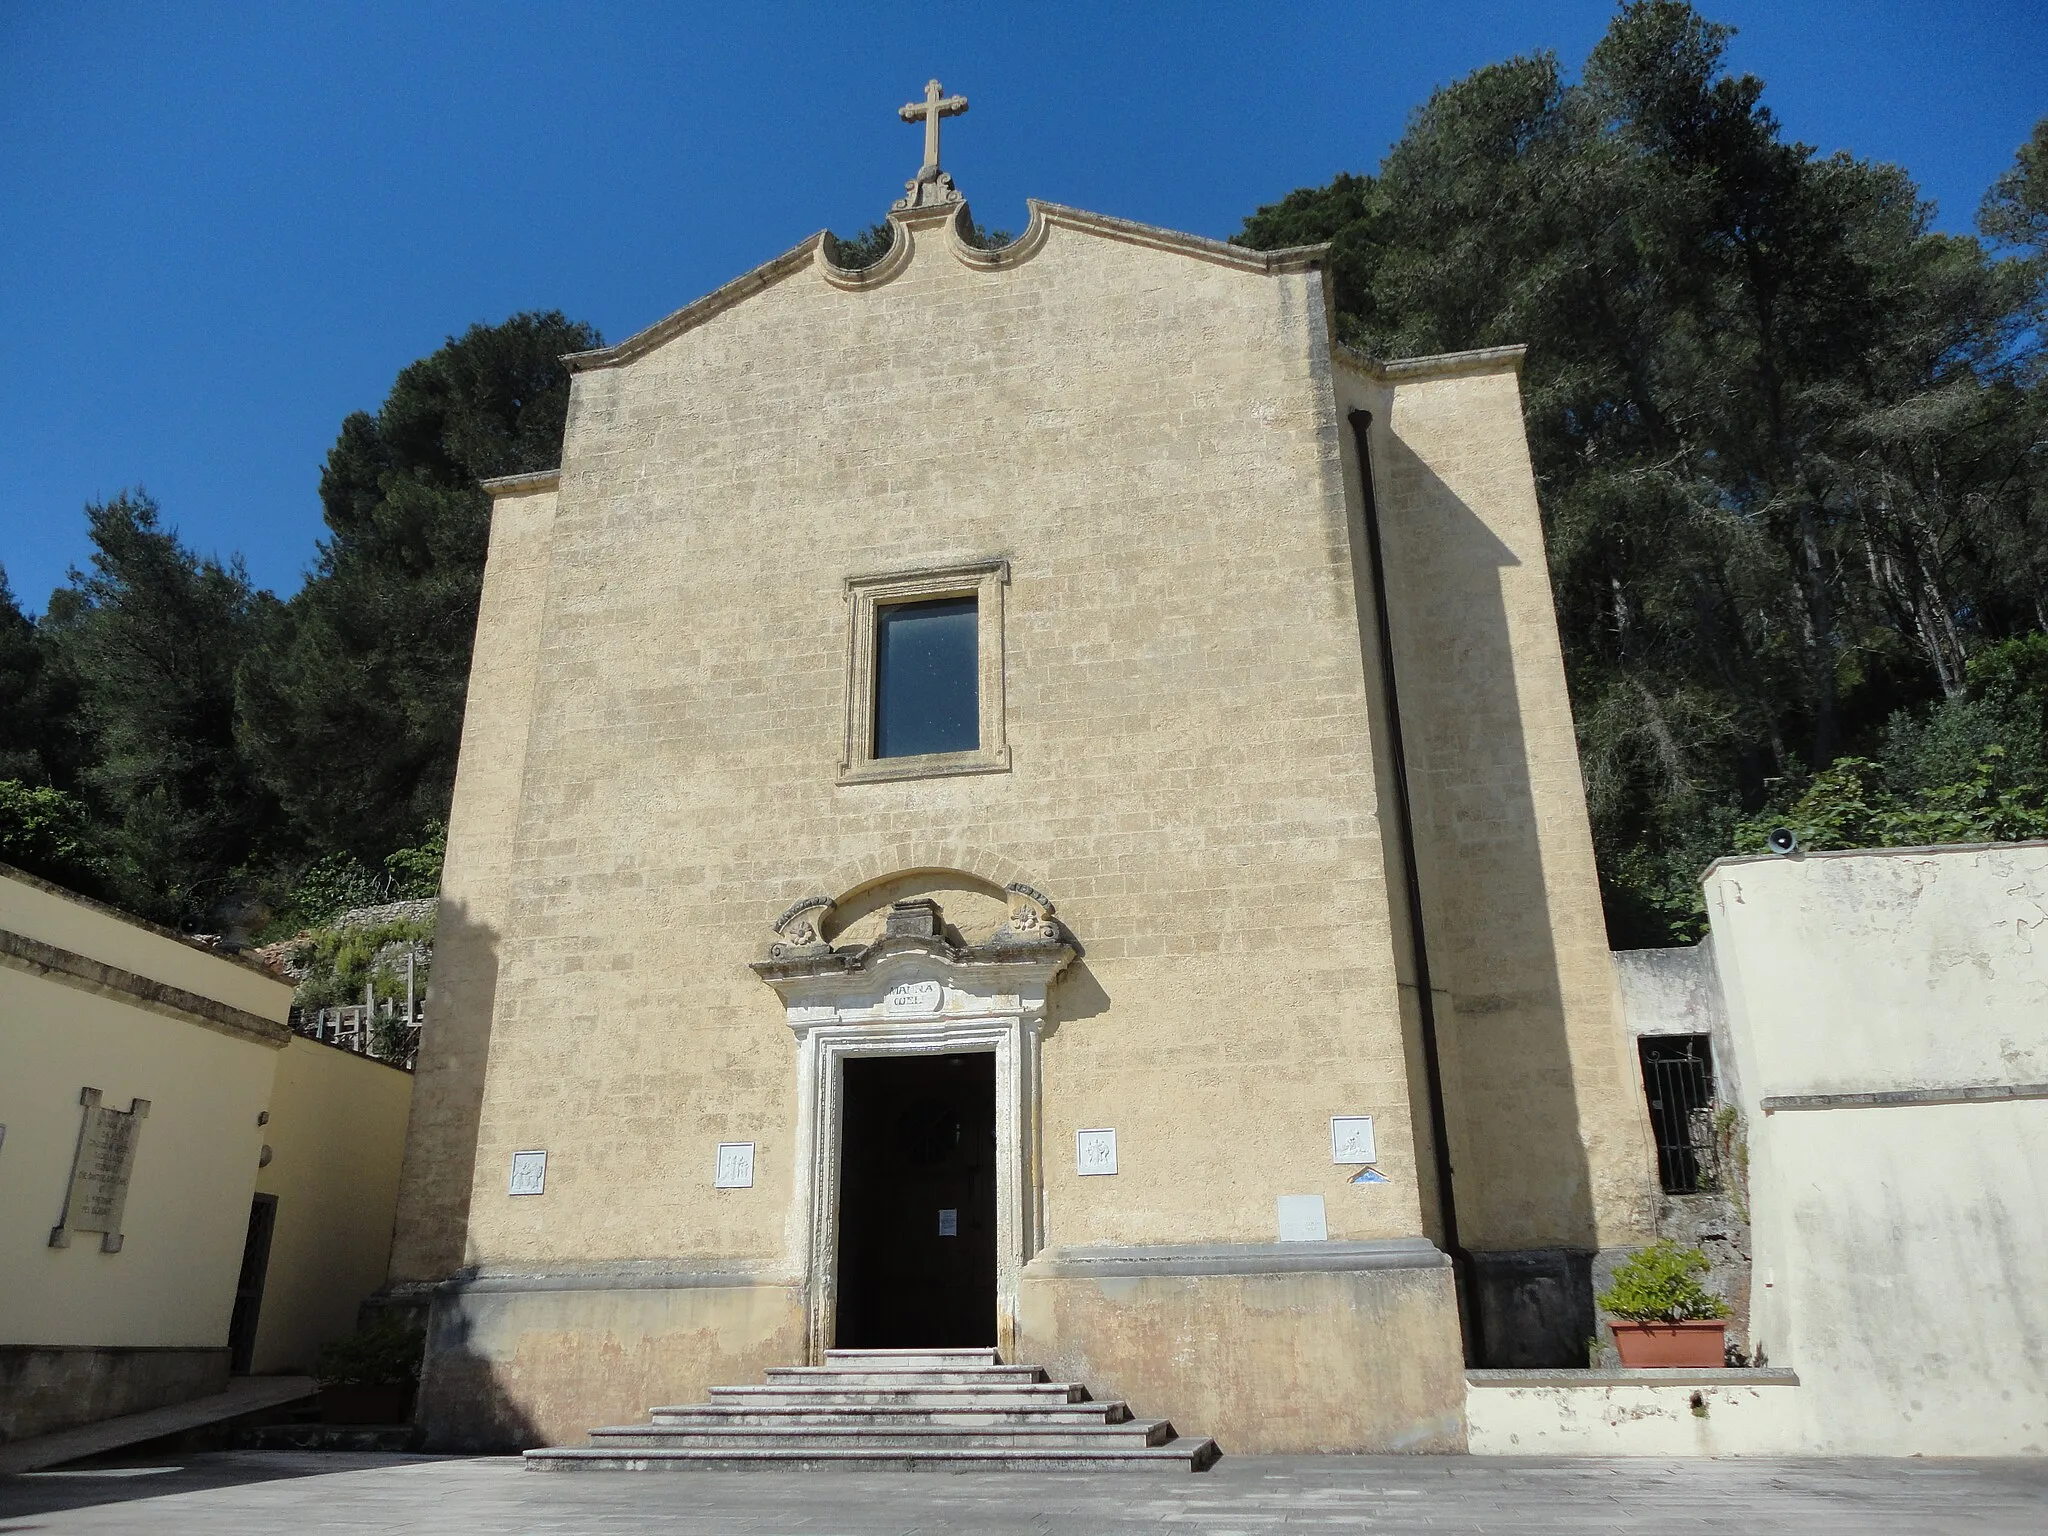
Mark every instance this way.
x=1678 y=1080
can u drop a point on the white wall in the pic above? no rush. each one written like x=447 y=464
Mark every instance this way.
x=337 y=1135
x=1900 y=1249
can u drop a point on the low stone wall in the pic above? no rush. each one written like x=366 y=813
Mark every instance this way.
x=1265 y=1347
x=1633 y=1413
x=48 y=1387
x=517 y=1361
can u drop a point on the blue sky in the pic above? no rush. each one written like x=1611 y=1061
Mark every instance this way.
x=228 y=225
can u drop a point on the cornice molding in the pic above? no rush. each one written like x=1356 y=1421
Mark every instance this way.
x=1443 y=365
x=523 y=485
x=954 y=219
x=690 y=316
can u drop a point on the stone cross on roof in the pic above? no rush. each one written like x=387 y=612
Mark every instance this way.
x=934 y=106
x=931 y=185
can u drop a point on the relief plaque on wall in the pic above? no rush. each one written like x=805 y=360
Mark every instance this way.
x=99 y=1171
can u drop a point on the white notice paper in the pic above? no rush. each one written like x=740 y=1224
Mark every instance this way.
x=529 y=1173
x=735 y=1165
x=949 y=1223
x=1301 y=1219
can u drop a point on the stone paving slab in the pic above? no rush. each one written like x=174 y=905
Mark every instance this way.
x=304 y=1493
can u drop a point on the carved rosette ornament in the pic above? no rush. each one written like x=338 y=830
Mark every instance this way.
x=1030 y=920
x=801 y=930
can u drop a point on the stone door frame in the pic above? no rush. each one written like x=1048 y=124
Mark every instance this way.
x=821 y=1121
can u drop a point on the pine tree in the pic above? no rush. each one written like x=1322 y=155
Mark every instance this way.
x=351 y=707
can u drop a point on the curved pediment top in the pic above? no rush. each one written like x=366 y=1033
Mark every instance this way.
x=1030 y=948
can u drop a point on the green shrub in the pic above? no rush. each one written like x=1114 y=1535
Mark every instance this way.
x=1661 y=1285
x=384 y=1354
x=49 y=833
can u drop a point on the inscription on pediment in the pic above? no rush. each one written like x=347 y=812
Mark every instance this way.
x=914 y=997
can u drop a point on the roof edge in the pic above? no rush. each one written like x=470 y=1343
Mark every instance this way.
x=107 y=909
x=1044 y=216
x=694 y=314
x=1293 y=258
x=1441 y=365
x=1917 y=850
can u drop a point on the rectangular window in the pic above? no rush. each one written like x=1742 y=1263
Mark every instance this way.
x=927 y=678
x=924 y=684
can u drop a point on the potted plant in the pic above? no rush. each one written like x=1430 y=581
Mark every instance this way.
x=1666 y=1317
x=369 y=1377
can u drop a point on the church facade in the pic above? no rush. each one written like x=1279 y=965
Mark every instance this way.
x=1020 y=797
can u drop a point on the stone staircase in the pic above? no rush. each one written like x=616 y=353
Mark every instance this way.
x=907 y=1409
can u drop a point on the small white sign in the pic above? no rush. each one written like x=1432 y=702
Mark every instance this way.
x=949 y=1223
x=1302 y=1220
x=1095 y=1151
x=1351 y=1139
x=529 y=1173
x=735 y=1166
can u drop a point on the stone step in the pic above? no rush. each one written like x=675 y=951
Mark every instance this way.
x=1187 y=1453
x=911 y=1359
x=901 y=1376
x=905 y=1410
x=906 y=1437
x=965 y=1395
x=1114 y=1411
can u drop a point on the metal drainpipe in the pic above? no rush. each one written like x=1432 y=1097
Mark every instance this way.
x=1473 y=1325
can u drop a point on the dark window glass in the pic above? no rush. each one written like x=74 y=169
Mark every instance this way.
x=927 y=678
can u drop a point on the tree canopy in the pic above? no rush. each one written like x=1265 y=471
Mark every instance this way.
x=350 y=706
x=1791 y=444
x=1788 y=438
x=203 y=754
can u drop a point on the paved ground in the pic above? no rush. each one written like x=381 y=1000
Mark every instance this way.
x=298 y=1493
x=245 y=1394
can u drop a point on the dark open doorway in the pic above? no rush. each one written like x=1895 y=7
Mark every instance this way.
x=917 y=1202
x=249 y=1284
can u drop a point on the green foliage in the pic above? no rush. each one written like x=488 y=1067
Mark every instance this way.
x=1786 y=436
x=341 y=882
x=2015 y=209
x=351 y=707
x=415 y=873
x=45 y=832
x=38 y=737
x=1661 y=1285
x=385 y=1353
x=341 y=962
x=149 y=639
x=1847 y=805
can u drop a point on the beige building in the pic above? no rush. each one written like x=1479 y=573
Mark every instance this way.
x=1019 y=797
x=187 y=1188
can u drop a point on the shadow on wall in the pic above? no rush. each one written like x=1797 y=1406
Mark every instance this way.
x=430 y=1231
x=1522 y=1179
x=463 y=1406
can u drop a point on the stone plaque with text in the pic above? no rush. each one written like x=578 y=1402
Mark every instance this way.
x=100 y=1169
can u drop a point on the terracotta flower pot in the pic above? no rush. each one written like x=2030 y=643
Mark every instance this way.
x=1643 y=1346
x=361 y=1404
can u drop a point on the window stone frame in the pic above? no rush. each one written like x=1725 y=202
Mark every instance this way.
x=982 y=580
